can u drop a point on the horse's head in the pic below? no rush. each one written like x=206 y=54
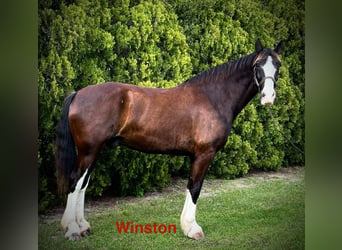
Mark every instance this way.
x=266 y=69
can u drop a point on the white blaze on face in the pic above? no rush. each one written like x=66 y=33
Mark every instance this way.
x=268 y=92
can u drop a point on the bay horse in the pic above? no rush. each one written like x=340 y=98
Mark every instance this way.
x=192 y=119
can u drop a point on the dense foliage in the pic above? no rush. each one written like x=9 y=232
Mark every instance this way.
x=161 y=44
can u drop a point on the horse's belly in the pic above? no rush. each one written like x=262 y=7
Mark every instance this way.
x=158 y=141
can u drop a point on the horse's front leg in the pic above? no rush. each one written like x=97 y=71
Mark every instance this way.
x=188 y=217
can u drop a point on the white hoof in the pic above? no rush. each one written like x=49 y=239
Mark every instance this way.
x=193 y=231
x=196 y=232
x=73 y=237
x=84 y=225
x=73 y=232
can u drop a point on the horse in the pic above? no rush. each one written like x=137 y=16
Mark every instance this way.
x=192 y=119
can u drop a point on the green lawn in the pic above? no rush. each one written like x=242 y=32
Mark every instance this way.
x=261 y=211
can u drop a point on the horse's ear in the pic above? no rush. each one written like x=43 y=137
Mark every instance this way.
x=279 y=47
x=258 y=46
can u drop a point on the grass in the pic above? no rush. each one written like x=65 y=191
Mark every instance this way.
x=261 y=211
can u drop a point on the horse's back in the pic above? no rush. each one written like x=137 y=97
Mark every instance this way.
x=100 y=112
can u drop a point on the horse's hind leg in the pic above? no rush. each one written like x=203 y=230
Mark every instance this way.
x=80 y=220
x=188 y=217
x=73 y=218
x=69 y=217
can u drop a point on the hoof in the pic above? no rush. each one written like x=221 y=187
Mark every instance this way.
x=74 y=237
x=195 y=232
x=86 y=232
x=197 y=236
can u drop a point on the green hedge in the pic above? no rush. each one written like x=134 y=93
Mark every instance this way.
x=161 y=44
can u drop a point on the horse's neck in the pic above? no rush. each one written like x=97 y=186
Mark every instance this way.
x=239 y=92
x=245 y=97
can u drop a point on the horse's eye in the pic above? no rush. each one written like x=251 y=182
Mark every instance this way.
x=259 y=73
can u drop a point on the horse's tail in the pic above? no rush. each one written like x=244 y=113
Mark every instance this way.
x=65 y=155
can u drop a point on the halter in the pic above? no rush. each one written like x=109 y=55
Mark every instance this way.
x=262 y=80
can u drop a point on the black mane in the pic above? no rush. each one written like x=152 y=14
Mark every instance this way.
x=223 y=70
